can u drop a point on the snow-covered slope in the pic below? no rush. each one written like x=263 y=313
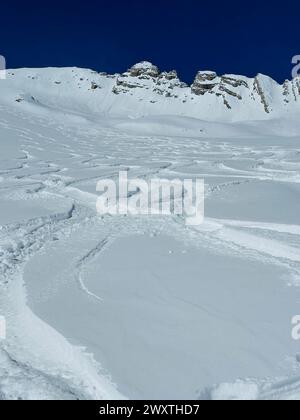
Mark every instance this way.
x=143 y=90
x=125 y=307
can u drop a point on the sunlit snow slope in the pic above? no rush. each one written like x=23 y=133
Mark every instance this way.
x=135 y=307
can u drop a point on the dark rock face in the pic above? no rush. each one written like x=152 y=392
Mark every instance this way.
x=144 y=69
x=291 y=90
x=259 y=90
x=296 y=85
x=169 y=76
x=94 y=86
x=286 y=91
x=204 y=76
x=204 y=82
x=226 y=87
x=147 y=76
x=234 y=82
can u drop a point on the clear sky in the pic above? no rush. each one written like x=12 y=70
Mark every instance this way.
x=188 y=35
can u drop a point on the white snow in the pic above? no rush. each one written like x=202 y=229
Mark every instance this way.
x=125 y=307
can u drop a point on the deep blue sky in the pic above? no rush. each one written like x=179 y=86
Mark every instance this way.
x=187 y=35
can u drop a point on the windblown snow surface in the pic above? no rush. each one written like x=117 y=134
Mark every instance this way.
x=145 y=308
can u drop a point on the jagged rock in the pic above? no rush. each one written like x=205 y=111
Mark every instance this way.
x=234 y=82
x=286 y=90
x=94 y=86
x=204 y=82
x=144 y=68
x=127 y=84
x=169 y=75
x=115 y=91
x=209 y=82
x=258 y=88
x=229 y=92
x=291 y=90
x=226 y=103
x=147 y=76
x=228 y=89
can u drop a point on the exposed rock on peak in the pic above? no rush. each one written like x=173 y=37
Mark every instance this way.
x=234 y=81
x=291 y=90
x=204 y=76
x=144 y=68
x=228 y=91
x=225 y=87
x=169 y=75
x=146 y=76
x=204 y=82
x=258 y=88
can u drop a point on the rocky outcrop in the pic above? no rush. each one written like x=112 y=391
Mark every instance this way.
x=144 y=69
x=291 y=90
x=234 y=81
x=286 y=91
x=229 y=90
x=259 y=90
x=207 y=82
x=204 y=82
x=147 y=76
x=94 y=86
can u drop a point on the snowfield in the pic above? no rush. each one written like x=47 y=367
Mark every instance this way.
x=145 y=307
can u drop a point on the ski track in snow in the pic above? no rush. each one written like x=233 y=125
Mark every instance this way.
x=84 y=261
x=58 y=164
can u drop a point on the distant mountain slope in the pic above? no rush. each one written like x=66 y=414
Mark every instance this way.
x=144 y=90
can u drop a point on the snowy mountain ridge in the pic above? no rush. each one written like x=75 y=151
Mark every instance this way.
x=144 y=90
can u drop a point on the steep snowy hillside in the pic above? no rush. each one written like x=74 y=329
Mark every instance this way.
x=143 y=90
x=147 y=307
